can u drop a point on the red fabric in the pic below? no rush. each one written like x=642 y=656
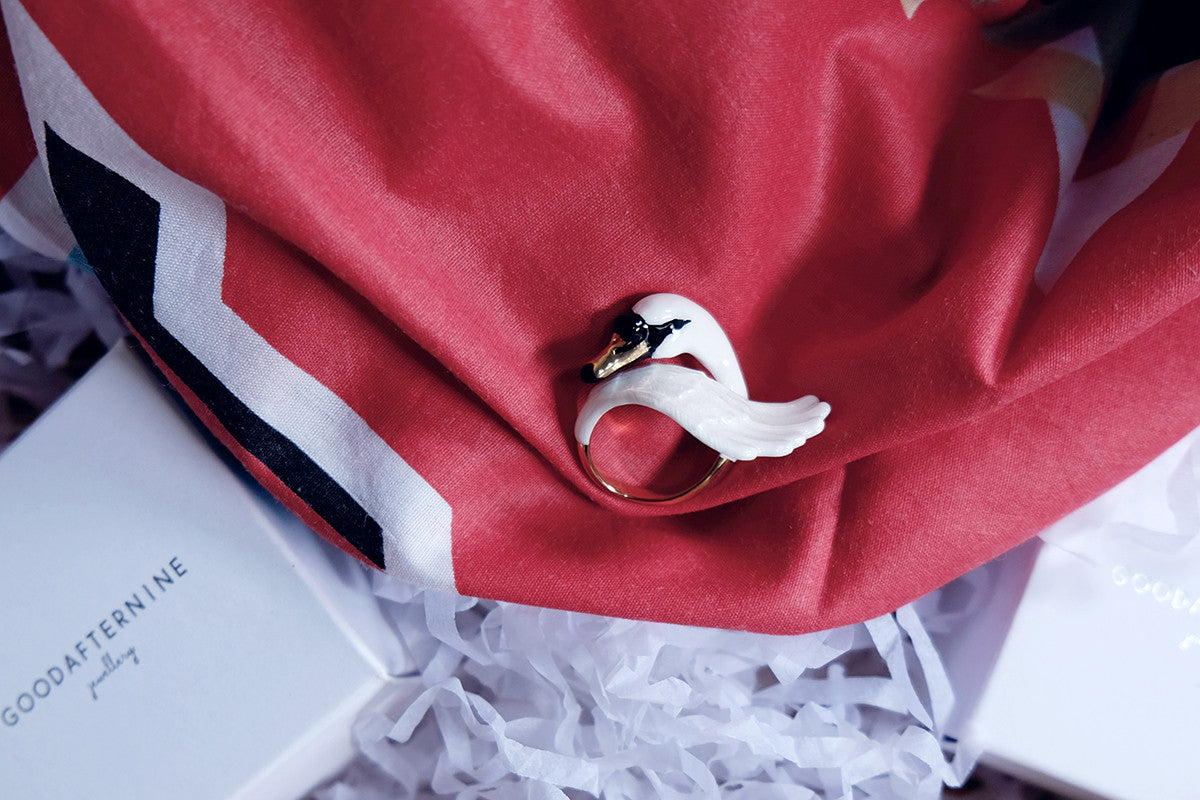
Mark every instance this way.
x=436 y=210
x=16 y=144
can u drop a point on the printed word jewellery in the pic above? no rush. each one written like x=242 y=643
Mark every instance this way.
x=712 y=406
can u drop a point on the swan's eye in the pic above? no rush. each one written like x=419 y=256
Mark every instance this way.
x=632 y=328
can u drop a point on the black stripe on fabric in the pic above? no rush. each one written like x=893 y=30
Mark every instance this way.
x=116 y=226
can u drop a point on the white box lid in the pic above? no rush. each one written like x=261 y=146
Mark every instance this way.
x=1096 y=689
x=181 y=651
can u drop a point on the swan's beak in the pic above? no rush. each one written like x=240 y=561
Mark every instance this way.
x=618 y=355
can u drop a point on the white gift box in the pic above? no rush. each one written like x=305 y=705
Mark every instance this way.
x=1095 y=689
x=168 y=631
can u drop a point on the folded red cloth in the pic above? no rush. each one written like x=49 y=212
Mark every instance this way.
x=372 y=244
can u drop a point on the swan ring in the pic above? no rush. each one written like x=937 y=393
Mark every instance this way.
x=712 y=404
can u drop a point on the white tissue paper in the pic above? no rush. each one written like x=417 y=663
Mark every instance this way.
x=48 y=311
x=513 y=701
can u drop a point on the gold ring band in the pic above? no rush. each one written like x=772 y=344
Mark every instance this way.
x=585 y=457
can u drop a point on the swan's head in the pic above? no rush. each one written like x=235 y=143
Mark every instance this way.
x=646 y=332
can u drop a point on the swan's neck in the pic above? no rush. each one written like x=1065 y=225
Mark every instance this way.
x=701 y=337
x=714 y=352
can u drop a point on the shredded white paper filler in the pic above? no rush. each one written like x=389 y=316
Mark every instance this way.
x=512 y=701
x=55 y=321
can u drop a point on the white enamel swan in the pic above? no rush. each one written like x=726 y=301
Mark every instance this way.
x=716 y=410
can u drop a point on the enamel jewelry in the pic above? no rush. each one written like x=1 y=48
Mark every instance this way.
x=712 y=406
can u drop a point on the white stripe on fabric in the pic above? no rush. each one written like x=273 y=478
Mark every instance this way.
x=1085 y=205
x=1089 y=203
x=187 y=300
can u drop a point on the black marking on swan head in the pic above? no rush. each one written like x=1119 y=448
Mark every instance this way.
x=633 y=340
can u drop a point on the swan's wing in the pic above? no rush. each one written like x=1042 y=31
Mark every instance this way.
x=757 y=430
x=737 y=428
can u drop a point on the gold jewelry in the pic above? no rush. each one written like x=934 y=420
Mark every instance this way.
x=711 y=404
x=629 y=493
